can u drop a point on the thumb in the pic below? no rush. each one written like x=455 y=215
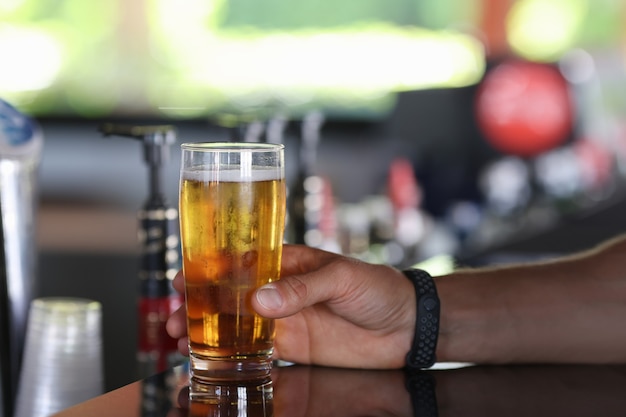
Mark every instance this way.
x=268 y=301
x=310 y=276
x=285 y=297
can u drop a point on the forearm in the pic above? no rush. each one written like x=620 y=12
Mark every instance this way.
x=571 y=310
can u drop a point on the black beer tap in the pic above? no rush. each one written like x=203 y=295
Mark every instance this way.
x=160 y=248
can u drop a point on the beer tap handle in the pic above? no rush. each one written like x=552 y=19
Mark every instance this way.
x=158 y=220
x=160 y=247
x=133 y=131
x=156 y=140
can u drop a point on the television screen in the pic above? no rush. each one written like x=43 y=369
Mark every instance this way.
x=173 y=59
x=167 y=58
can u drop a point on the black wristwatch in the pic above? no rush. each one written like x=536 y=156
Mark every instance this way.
x=422 y=353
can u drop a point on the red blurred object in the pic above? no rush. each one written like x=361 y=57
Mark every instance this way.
x=403 y=189
x=328 y=218
x=156 y=348
x=524 y=108
x=596 y=162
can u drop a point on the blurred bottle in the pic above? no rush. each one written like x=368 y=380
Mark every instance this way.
x=312 y=218
x=410 y=222
x=21 y=142
x=507 y=187
x=298 y=210
x=355 y=230
x=275 y=129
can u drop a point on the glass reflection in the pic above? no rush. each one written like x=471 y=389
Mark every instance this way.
x=249 y=400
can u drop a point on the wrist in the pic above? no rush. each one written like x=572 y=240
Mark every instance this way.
x=476 y=324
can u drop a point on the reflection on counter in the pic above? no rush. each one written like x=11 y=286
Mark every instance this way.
x=253 y=400
x=541 y=391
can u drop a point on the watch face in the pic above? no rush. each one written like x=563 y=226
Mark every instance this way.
x=524 y=108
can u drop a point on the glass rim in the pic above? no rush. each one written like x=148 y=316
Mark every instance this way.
x=65 y=305
x=231 y=146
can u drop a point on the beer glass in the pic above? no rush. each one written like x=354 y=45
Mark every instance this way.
x=232 y=217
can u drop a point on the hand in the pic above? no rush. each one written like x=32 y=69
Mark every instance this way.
x=332 y=310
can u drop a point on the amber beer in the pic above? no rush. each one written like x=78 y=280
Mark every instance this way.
x=232 y=226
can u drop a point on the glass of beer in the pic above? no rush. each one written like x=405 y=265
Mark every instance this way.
x=232 y=217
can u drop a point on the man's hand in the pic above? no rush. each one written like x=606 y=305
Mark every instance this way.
x=332 y=310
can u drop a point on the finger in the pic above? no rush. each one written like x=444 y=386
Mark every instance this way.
x=176 y=325
x=179 y=282
x=298 y=259
x=183 y=346
x=183 y=398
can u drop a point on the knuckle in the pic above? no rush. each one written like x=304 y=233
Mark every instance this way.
x=296 y=287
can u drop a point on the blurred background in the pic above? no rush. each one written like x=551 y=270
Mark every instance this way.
x=442 y=132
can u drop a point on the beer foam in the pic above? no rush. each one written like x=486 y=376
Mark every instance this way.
x=233 y=175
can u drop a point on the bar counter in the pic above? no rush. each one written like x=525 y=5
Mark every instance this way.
x=481 y=391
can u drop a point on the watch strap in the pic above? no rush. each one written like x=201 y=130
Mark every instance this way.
x=422 y=353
